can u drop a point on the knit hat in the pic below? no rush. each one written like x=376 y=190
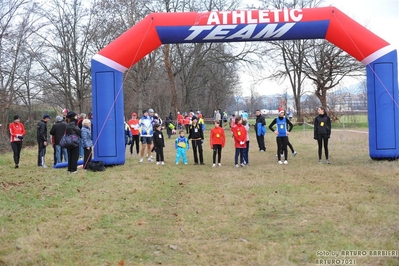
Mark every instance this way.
x=16 y=117
x=150 y=110
x=71 y=114
x=58 y=118
x=280 y=110
x=46 y=116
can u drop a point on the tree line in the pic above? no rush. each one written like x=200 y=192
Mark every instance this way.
x=46 y=49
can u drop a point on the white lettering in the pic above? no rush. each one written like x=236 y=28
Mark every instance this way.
x=269 y=31
x=225 y=17
x=264 y=16
x=294 y=17
x=220 y=32
x=285 y=12
x=276 y=15
x=213 y=18
x=238 y=15
x=249 y=16
x=244 y=33
x=197 y=31
x=251 y=20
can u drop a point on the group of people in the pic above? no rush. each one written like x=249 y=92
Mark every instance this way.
x=68 y=124
x=148 y=131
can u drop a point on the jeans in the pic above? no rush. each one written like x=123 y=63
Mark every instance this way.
x=60 y=154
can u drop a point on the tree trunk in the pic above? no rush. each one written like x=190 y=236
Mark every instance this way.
x=172 y=85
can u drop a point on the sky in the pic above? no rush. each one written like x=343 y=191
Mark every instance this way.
x=379 y=16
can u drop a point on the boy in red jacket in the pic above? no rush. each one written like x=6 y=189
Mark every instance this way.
x=217 y=141
x=240 y=141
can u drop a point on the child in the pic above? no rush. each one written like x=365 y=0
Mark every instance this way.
x=217 y=141
x=246 y=151
x=240 y=141
x=181 y=145
x=159 y=144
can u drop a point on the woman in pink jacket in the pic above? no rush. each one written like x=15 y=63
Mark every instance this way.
x=17 y=133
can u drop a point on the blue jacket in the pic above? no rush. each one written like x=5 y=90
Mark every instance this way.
x=87 y=142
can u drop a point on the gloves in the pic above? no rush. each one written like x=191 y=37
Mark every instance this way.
x=20 y=137
x=202 y=141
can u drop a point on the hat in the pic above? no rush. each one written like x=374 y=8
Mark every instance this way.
x=280 y=110
x=16 y=117
x=46 y=116
x=65 y=110
x=150 y=110
x=194 y=117
x=71 y=114
x=134 y=114
x=58 y=118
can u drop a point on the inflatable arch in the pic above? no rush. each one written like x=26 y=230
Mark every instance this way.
x=329 y=23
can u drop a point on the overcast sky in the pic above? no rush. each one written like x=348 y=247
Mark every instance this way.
x=379 y=16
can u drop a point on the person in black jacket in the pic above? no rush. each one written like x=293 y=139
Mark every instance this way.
x=322 y=131
x=159 y=144
x=260 y=138
x=73 y=153
x=197 y=138
x=57 y=131
x=41 y=137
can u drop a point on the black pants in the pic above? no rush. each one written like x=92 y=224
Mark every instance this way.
x=261 y=142
x=320 y=139
x=282 y=147
x=135 y=139
x=73 y=156
x=217 y=149
x=86 y=157
x=16 y=148
x=41 y=153
x=197 y=144
x=159 y=154
x=288 y=144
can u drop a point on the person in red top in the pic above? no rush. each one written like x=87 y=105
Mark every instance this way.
x=17 y=133
x=240 y=141
x=187 y=122
x=179 y=120
x=135 y=129
x=217 y=141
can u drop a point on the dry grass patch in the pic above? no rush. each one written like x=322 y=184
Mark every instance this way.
x=145 y=214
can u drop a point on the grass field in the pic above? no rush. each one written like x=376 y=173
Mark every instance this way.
x=302 y=213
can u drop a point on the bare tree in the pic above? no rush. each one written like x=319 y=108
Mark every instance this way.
x=65 y=54
x=17 y=24
x=326 y=65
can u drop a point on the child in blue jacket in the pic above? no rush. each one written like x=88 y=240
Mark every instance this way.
x=181 y=145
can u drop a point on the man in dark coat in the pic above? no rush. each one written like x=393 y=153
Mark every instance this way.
x=41 y=138
x=57 y=131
